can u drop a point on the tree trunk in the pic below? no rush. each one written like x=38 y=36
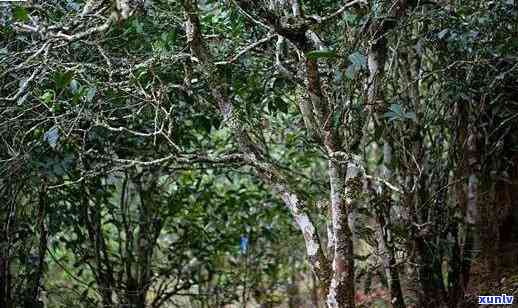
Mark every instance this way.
x=376 y=63
x=4 y=266
x=344 y=189
x=91 y=218
x=7 y=216
x=317 y=259
x=315 y=292
x=461 y=233
x=383 y=215
x=432 y=292
x=34 y=282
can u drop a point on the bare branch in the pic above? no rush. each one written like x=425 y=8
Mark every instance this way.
x=24 y=85
x=80 y=35
x=339 y=12
x=247 y=15
x=246 y=49
x=190 y=159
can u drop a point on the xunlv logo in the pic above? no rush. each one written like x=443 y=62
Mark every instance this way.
x=495 y=299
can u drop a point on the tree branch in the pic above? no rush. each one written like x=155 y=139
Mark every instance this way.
x=246 y=49
x=319 y=263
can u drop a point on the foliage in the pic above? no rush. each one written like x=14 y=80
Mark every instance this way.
x=141 y=141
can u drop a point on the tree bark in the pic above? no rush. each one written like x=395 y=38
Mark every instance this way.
x=8 y=199
x=103 y=272
x=315 y=253
x=383 y=214
x=34 y=282
x=344 y=189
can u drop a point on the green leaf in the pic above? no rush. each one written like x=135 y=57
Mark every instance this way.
x=138 y=26
x=391 y=116
x=63 y=79
x=338 y=76
x=350 y=17
x=351 y=71
x=48 y=96
x=21 y=14
x=90 y=94
x=163 y=37
x=358 y=60
x=411 y=115
x=317 y=54
x=396 y=108
x=52 y=136
x=74 y=86
x=396 y=113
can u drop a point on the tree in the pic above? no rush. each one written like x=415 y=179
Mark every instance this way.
x=387 y=124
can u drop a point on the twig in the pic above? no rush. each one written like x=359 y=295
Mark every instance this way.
x=245 y=13
x=80 y=35
x=337 y=13
x=230 y=158
x=24 y=85
x=378 y=179
x=245 y=50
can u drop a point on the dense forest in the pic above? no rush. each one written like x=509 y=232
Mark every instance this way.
x=267 y=153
